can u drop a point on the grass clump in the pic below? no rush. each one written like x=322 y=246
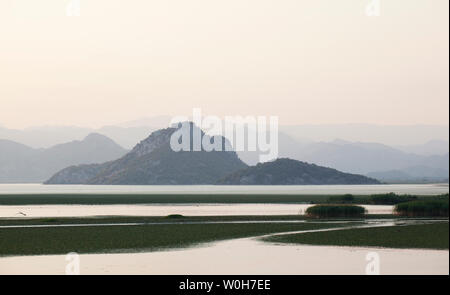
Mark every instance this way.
x=431 y=208
x=175 y=216
x=319 y=211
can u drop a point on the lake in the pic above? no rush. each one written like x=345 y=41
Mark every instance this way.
x=196 y=209
x=164 y=210
x=419 y=189
x=241 y=257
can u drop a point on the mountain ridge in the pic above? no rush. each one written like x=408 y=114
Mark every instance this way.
x=285 y=171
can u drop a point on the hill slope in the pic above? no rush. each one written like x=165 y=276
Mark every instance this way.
x=291 y=172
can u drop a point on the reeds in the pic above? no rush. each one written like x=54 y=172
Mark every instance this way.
x=319 y=211
x=429 y=208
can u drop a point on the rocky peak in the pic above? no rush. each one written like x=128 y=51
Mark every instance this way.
x=162 y=137
x=156 y=140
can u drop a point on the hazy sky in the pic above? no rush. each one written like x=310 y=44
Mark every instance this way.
x=310 y=61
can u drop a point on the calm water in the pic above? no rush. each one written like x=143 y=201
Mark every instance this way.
x=241 y=257
x=164 y=210
x=422 y=189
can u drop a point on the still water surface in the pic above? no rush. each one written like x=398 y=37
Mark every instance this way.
x=422 y=189
x=164 y=210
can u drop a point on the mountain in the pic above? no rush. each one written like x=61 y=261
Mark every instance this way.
x=287 y=146
x=409 y=139
x=291 y=172
x=360 y=157
x=153 y=161
x=126 y=136
x=16 y=162
x=351 y=157
x=44 y=137
x=354 y=157
x=390 y=176
x=94 y=148
x=432 y=147
x=391 y=135
x=357 y=157
x=414 y=174
x=22 y=164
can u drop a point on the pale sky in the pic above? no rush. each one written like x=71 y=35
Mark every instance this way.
x=308 y=62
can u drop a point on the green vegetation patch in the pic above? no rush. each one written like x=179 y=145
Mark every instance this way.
x=390 y=199
x=165 y=219
x=423 y=208
x=175 y=216
x=326 y=211
x=431 y=236
x=117 y=199
x=132 y=238
x=381 y=199
x=344 y=199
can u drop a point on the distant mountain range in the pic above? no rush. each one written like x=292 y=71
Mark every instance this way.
x=291 y=172
x=372 y=159
x=429 y=148
x=45 y=137
x=22 y=164
x=153 y=162
x=125 y=134
x=401 y=136
x=413 y=174
x=362 y=158
x=22 y=156
x=417 y=139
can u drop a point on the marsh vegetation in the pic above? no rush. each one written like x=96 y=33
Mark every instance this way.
x=213 y=198
x=430 y=236
x=133 y=238
x=429 y=208
x=327 y=211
